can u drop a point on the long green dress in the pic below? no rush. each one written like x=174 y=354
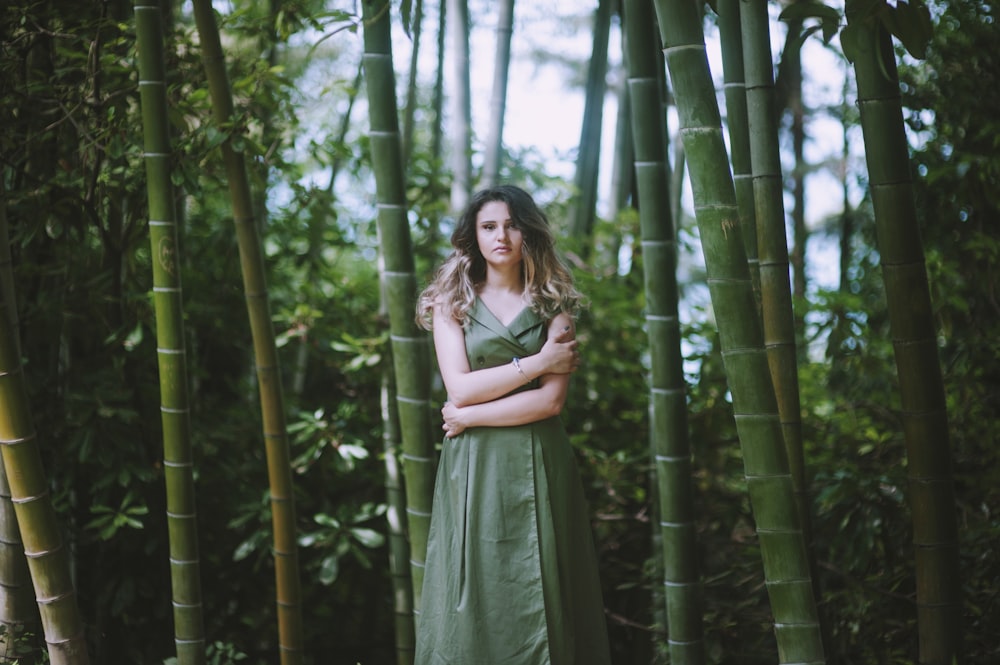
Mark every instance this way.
x=511 y=575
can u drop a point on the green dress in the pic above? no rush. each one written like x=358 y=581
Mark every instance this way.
x=511 y=575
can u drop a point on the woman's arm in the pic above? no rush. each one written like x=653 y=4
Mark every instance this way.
x=466 y=387
x=518 y=409
x=521 y=408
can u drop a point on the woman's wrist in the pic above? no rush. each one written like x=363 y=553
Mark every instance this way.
x=533 y=366
x=516 y=362
x=467 y=416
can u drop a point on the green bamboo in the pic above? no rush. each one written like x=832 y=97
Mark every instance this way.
x=48 y=557
x=782 y=545
x=412 y=83
x=17 y=602
x=734 y=87
x=410 y=348
x=178 y=466
x=399 y=547
x=437 y=100
x=668 y=401
x=788 y=97
x=285 y=549
x=775 y=286
x=622 y=161
x=498 y=96
x=589 y=148
x=461 y=97
x=395 y=498
x=911 y=320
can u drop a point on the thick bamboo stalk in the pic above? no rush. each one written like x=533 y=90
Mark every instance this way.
x=48 y=557
x=18 y=612
x=775 y=284
x=399 y=547
x=285 y=548
x=668 y=402
x=734 y=87
x=786 y=567
x=182 y=523
x=410 y=348
x=911 y=321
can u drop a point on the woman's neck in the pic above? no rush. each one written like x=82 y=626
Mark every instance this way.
x=502 y=282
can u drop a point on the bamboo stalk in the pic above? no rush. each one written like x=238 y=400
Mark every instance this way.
x=765 y=460
x=410 y=348
x=914 y=338
x=178 y=466
x=668 y=402
x=285 y=547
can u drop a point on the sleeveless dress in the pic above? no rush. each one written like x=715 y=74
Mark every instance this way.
x=511 y=576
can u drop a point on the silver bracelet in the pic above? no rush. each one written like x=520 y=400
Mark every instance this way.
x=517 y=365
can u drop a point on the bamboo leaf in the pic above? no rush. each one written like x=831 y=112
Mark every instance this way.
x=329 y=569
x=405 y=11
x=800 y=11
x=326 y=520
x=913 y=27
x=851 y=42
x=368 y=537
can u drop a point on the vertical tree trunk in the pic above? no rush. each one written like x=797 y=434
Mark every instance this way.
x=768 y=191
x=438 y=99
x=412 y=82
x=734 y=87
x=461 y=116
x=668 y=403
x=792 y=60
x=178 y=464
x=588 y=157
x=18 y=612
x=925 y=420
x=623 y=164
x=32 y=516
x=498 y=97
x=410 y=348
x=786 y=567
x=48 y=556
x=395 y=498
x=286 y=558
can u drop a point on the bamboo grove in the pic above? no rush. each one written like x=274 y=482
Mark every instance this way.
x=218 y=416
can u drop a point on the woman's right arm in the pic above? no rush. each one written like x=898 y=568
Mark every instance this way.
x=466 y=387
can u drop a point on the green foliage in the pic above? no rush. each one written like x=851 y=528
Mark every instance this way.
x=108 y=520
x=75 y=201
x=217 y=653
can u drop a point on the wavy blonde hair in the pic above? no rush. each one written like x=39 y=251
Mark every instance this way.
x=547 y=280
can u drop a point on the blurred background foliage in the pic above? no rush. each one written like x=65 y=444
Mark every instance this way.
x=75 y=199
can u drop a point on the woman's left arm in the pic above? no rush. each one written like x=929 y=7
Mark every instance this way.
x=521 y=408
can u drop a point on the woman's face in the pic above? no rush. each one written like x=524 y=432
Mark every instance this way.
x=500 y=240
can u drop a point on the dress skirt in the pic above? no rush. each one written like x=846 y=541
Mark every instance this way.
x=511 y=575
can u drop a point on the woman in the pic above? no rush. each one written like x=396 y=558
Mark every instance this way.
x=511 y=573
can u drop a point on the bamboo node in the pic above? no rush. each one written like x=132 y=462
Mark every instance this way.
x=22 y=439
x=56 y=598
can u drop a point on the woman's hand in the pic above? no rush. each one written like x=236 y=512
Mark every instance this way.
x=453 y=424
x=560 y=353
